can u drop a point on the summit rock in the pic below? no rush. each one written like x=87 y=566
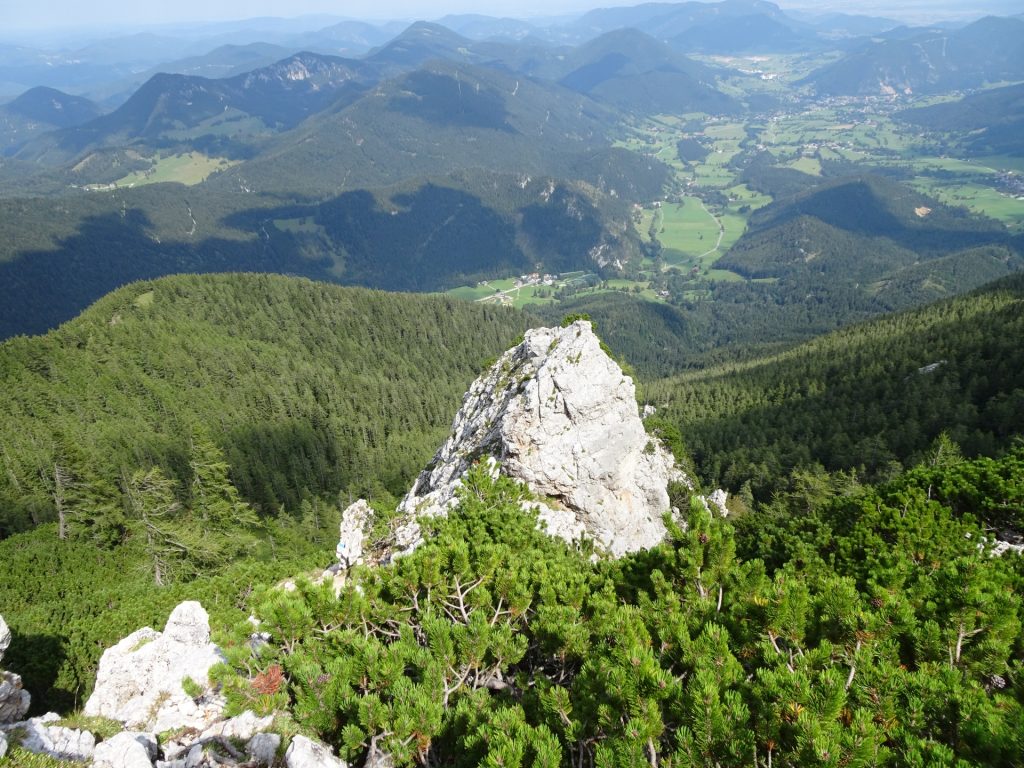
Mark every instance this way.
x=559 y=415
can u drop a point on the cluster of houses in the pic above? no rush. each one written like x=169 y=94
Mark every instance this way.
x=534 y=278
x=1011 y=183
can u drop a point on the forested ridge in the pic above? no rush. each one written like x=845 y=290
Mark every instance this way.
x=869 y=398
x=308 y=388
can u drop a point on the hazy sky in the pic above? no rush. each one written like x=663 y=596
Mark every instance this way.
x=23 y=14
x=66 y=14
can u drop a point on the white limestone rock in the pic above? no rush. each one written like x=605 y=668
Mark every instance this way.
x=716 y=502
x=558 y=414
x=37 y=735
x=126 y=750
x=3 y=746
x=243 y=727
x=262 y=748
x=14 y=700
x=5 y=637
x=353 y=532
x=140 y=679
x=306 y=753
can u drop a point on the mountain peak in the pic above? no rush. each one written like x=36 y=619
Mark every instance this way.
x=53 y=107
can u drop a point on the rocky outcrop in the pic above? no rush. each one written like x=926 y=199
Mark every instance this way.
x=14 y=700
x=126 y=750
x=306 y=753
x=352 y=533
x=37 y=734
x=141 y=679
x=558 y=414
x=242 y=728
x=716 y=502
x=262 y=748
x=40 y=736
x=141 y=682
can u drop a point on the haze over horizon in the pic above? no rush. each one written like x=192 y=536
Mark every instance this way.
x=122 y=16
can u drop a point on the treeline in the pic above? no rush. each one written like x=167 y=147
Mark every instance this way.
x=869 y=398
x=309 y=389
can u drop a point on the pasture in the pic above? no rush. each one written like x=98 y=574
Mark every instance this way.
x=188 y=169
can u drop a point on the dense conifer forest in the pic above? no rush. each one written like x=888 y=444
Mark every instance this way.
x=308 y=389
x=871 y=398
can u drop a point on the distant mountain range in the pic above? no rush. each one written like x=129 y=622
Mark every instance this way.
x=224 y=115
x=987 y=51
x=443 y=156
x=237 y=116
x=635 y=72
x=105 y=69
x=728 y=27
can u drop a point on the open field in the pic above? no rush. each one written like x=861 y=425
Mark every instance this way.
x=687 y=227
x=188 y=169
x=977 y=197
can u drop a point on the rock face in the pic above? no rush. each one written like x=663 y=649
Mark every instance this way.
x=716 y=502
x=262 y=748
x=140 y=679
x=243 y=727
x=558 y=414
x=14 y=700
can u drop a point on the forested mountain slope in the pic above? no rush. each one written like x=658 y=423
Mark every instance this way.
x=870 y=397
x=423 y=234
x=38 y=110
x=443 y=117
x=308 y=388
x=992 y=122
x=933 y=61
x=636 y=72
x=877 y=236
